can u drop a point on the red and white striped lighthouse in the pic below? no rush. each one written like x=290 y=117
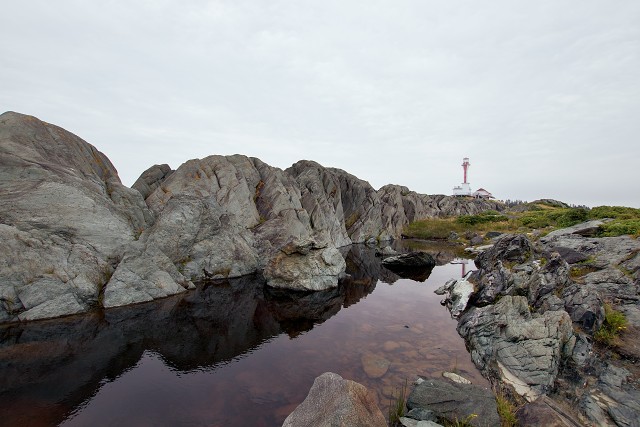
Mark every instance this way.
x=465 y=166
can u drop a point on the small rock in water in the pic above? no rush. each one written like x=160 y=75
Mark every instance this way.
x=374 y=366
x=456 y=378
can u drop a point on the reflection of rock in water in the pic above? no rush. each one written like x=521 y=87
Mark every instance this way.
x=418 y=274
x=298 y=312
x=442 y=252
x=62 y=362
x=364 y=267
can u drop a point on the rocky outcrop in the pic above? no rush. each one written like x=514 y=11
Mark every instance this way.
x=151 y=179
x=532 y=318
x=336 y=402
x=76 y=238
x=524 y=350
x=64 y=216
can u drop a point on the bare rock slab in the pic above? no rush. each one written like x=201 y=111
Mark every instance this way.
x=335 y=402
x=455 y=401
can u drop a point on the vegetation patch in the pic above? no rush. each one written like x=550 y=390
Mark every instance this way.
x=506 y=409
x=614 y=323
x=581 y=270
x=397 y=405
x=525 y=218
x=482 y=218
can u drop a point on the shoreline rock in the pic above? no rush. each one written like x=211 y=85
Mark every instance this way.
x=75 y=238
x=335 y=402
x=531 y=319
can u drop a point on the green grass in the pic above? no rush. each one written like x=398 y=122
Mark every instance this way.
x=466 y=422
x=482 y=218
x=537 y=216
x=614 y=323
x=506 y=410
x=397 y=406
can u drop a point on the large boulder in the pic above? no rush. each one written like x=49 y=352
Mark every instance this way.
x=335 y=402
x=306 y=265
x=64 y=218
x=414 y=265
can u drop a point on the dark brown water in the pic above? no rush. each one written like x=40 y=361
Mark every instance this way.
x=233 y=354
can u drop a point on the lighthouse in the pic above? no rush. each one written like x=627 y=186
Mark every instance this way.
x=463 y=189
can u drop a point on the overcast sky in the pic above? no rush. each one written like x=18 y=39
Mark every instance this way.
x=542 y=96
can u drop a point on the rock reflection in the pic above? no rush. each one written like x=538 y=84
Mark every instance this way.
x=49 y=368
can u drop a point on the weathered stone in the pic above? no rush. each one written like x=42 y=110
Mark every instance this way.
x=586 y=229
x=511 y=247
x=422 y=414
x=335 y=402
x=64 y=215
x=305 y=265
x=476 y=240
x=410 y=260
x=144 y=274
x=455 y=378
x=541 y=414
x=459 y=293
x=58 y=306
x=66 y=218
x=151 y=179
x=584 y=305
x=492 y=234
x=525 y=350
x=571 y=256
x=455 y=402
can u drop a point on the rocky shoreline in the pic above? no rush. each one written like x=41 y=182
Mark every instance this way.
x=530 y=323
x=75 y=238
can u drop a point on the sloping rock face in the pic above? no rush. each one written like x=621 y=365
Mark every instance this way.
x=76 y=238
x=64 y=217
x=336 y=402
x=525 y=350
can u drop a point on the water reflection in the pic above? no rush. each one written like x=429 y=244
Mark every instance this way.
x=50 y=369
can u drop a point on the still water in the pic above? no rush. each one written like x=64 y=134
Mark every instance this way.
x=229 y=354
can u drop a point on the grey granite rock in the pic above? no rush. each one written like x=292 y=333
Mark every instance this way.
x=455 y=401
x=335 y=402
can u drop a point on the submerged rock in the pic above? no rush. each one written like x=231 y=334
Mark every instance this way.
x=335 y=402
x=373 y=365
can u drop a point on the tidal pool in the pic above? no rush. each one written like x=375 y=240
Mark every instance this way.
x=229 y=354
